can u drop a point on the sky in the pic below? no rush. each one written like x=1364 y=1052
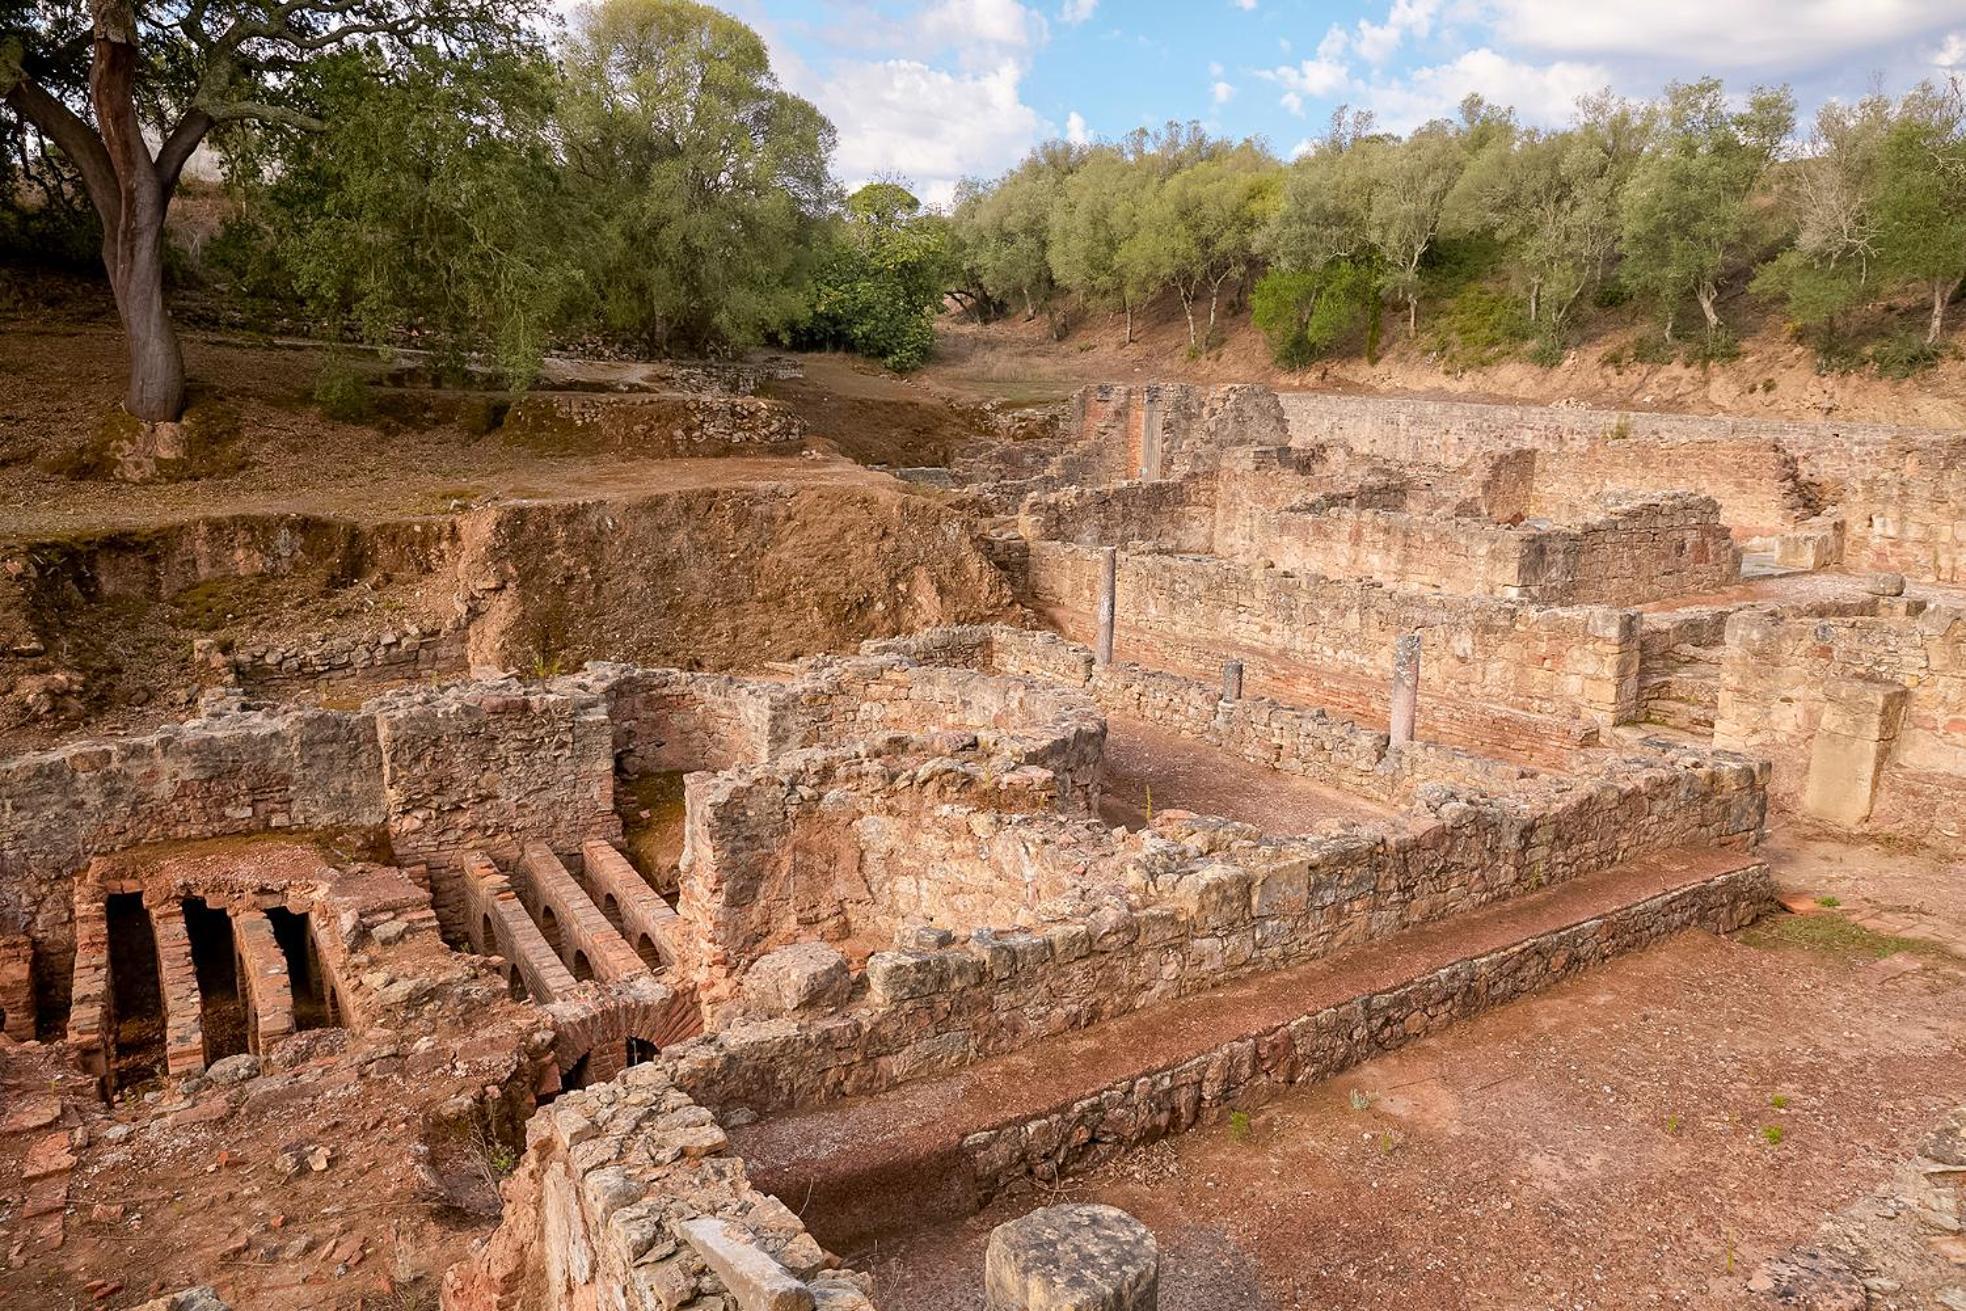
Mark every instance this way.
x=938 y=90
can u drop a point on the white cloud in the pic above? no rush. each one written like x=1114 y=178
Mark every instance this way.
x=980 y=28
x=1244 y=5
x=930 y=124
x=1075 y=129
x=1311 y=78
x=1951 y=52
x=1540 y=93
x=1723 y=34
x=1376 y=42
x=1077 y=11
x=1302 y=148
x=1221 y=93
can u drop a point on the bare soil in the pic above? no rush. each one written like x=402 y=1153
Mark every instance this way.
x=1600 y=1145
x=1151 y=770
x=1775 y=375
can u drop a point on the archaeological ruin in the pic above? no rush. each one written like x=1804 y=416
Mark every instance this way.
x=560 y=932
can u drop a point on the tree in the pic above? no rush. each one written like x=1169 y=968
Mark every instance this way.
x=1831 y=195
x=1006 y=230
x=882 y=278
x=1098 y=214
x=1552 y=199
x=1200 y=231
x=178 y=71
x=1686 y=213
x=701 y=182
x=1411 y=181
x=432 y=203
x=1921 y=198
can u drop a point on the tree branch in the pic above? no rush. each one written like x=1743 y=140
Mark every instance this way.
x=61 y=125
x=179 y=146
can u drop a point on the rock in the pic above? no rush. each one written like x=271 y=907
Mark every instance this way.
x=1076 y=1257
x=204 y=1298
x=233 y=1069
x=1810 y=1279
x=390 y=932
x=754 y=1279
x=808 y=976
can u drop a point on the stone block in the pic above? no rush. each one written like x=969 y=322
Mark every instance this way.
x=1075 y=1257
x=809 y=976
x=754 y=1280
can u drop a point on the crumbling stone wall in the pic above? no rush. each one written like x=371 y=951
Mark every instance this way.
x=1786 y=681
x=1514 y=680
x=1191 y=903
x=1178 y=515
x=628 y=1197
x=1897 y=488
x=1102 y=1123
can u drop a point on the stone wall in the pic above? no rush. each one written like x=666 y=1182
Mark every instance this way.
x=628 y=1198
x=1105 y=1122
x=1518 y=681
x=1899 y=489
x=1191 y=903
x=1872 y=709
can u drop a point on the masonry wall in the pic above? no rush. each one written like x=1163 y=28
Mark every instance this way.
x=628 y=1197
x=1896 y=487
x=1522 y=682
x=1189 y=909
x=1779 y=672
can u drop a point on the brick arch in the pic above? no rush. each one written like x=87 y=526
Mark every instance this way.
x=658 y=1022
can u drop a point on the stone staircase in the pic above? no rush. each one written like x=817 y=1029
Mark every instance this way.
x=868 y=1169
x=1679 y=670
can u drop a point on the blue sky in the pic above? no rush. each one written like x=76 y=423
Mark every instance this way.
x=940 y=89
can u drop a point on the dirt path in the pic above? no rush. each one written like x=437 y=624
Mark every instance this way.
x=1600 y=1145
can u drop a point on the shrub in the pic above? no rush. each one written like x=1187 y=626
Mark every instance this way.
x=1904 y=355
x=342 y=392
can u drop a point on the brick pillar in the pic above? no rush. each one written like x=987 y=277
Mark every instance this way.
x=1232 y=680
x=263 y=975
x=1406 y=688
x=1109 y=575
x=184 y=1010
x=17 y=987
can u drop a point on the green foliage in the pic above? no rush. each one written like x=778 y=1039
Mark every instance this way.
x=1772 y=1134
x=343 y=392
x=429 y=207
x=1240 y=1128
x=697 y=183
x=1686 y=211
x=1303 y=314
x=1477 y=328
x=881 y=280
x=1905 y=355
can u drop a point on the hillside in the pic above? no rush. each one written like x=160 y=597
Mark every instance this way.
x=1774 y=376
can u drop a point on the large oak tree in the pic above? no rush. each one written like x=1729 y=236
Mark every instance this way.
x=162 y=76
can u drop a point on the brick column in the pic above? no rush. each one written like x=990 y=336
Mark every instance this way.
x=1406 y=688
x=184 y=1010
x=263 y=974
x=17 y=986
x=1109 y=573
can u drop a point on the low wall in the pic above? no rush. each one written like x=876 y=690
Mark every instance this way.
x=1105 y=1122
x=628 y=1197
x=1522 y=682
x=1192 y=903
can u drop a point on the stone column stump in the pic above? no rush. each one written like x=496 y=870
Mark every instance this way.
x=1078 y=1257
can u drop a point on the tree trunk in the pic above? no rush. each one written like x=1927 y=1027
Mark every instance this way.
x=1412 y=315
x=1129 y=323
x=1535 y=297
x=1941 y=293
x=1188 y=308
x=1030 y=306
x=1706 y=295
x=1213 y=297
x=134 y=257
